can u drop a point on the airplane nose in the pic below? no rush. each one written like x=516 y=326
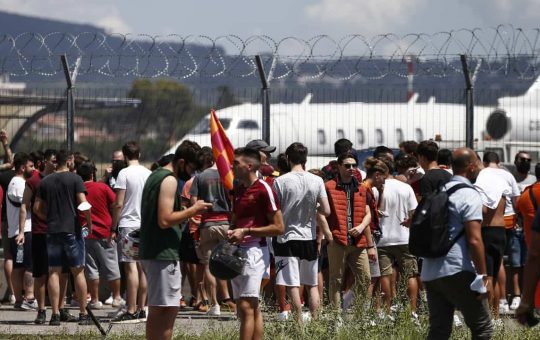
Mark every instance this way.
x=498 y=124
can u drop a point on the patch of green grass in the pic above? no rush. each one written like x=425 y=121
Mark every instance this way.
x=360 y=323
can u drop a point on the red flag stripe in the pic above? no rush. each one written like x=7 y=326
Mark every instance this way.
x=222 y=150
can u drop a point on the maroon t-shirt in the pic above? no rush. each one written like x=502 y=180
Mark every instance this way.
x=101 y=197
x=39 y=226
x=252 y=206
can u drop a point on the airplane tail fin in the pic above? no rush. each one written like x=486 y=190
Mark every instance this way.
x=534 y=87
x=307 y=99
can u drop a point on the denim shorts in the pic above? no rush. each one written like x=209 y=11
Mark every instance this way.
x=516 y=249
x=65 y=249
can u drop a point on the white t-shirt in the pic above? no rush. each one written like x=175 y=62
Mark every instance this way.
x=298 y=194
x=493 y=183
x=132 y=179
x=398 y=199
x=15 y=193
x=529 y=180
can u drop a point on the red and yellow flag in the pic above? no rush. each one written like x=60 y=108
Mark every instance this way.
x=223 y=151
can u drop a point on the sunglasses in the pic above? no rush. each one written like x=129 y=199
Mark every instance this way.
x=525 y=159
x=350 y=166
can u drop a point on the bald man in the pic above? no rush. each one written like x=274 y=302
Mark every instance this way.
x=448 y=278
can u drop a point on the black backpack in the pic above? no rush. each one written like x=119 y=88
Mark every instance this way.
x=429 y=236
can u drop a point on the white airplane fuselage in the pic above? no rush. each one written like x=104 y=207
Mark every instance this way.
x=512 y=124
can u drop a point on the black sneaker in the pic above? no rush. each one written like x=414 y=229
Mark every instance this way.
x=126 y=317
x=66 y=316
x=84 y=320
x=141 y=315
x=41 y=317
x=55 y=320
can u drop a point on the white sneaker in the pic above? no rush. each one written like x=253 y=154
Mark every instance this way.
x=283 y=316
x=109 y=301
x=515 y=303
x=215 y=310
x=29 y=305
x=95 y=305
x=347 y=299
x=118 y=303
x=306 y=317
x=504 y=308
x=12 y=299
x=457 y=321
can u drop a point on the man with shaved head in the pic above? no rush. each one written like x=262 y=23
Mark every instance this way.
x=459 y=279
x=499 y=192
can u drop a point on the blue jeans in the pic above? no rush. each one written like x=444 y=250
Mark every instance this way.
x=516 y=248
x=65 y=249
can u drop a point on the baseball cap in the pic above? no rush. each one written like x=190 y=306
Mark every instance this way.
x=260 y=145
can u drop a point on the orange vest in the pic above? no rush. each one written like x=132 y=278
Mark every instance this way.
x=337 y=221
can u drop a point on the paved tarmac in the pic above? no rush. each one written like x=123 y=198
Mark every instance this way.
x=22 y=322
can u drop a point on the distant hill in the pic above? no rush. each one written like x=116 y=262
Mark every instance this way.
x=14 y=24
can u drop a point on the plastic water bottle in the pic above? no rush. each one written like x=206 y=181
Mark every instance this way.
x=20 y=254
x=84 y=232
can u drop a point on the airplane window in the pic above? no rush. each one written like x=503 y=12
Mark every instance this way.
x=380 y=136
x=419 y=135
x=248 y=125
x=399 y=135
x=204 y=126
x=321 y=136
x=340 y=134
x=360 y=136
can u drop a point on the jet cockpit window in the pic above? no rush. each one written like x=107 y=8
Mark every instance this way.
x=248 y=125
x=379 y=136
x=204 y=126
x=340 y=134
x=321 y=136
x=360 y=139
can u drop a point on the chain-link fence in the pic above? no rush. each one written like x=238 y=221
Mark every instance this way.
x=159 y=114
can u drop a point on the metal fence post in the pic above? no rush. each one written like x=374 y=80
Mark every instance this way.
x=70 y=107
x=265 y=100
x=469 y=103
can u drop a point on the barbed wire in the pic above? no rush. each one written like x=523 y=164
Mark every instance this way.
x=503 y=49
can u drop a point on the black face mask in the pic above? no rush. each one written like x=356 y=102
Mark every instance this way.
x=117 y=166
x=523 y=167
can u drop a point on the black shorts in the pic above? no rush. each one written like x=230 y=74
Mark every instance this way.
x=40 y=262
x=187 y=248
x=494 y=239
x=39 y=255
x=27 y=252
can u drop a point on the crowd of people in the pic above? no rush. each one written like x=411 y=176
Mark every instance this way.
x=334 y=236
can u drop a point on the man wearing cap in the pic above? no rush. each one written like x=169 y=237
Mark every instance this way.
x=266 y=170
